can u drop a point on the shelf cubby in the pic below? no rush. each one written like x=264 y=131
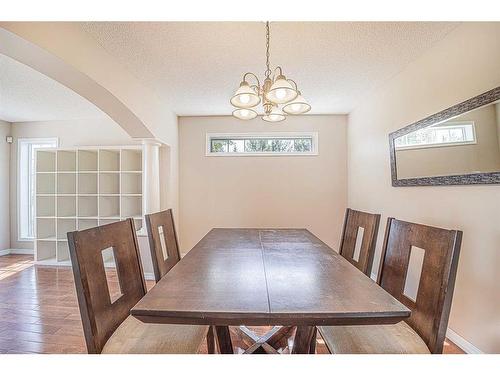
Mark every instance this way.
x=46 y=206
x=66 y=206
x=131 y=206
x=108 y=257
x=87 y=206
x=62 y=251
x=87 y=223
x=87 y=160
x=109 y=183
x=108 y=221
x=109 y=206
x=79 y=189
x=66 y=183
x=131 y=183
x=66 y=161
x=131 y=160
x=45 y=161
x=45 y=228
x=45 y=183
x=45 y=250
x=87 y=183
x=138 y=224
x=109 y=160
x=64 y=226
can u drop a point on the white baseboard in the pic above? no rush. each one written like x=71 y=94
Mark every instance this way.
x=22 y=251
x=149 y=276
x=16 y=251
x=462 y=343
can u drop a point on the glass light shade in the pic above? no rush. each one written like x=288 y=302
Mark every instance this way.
x=281 y=91
x=275 y=116
x=297 y=106
x=244 y=113
x=245 y=97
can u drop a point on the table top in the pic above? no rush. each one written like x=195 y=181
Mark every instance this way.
x=267 y=277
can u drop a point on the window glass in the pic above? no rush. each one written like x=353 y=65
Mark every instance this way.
x=262 y=144
x=438 y=135
x=26 y=188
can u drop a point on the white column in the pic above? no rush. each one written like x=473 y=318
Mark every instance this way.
x=151 y=175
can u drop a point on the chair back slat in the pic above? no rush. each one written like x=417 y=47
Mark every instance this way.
x=433 y=291
x=101 y=316
x=352 y=222
x=162 y=242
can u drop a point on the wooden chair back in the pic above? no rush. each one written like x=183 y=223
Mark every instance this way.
x=162 y=242
x=360 y=256
x=432 y=292
x=100 y=316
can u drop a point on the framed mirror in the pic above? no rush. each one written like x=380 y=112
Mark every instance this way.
x=457 y=146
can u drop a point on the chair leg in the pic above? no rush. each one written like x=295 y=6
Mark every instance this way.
x=211 y=340
x=224 y=340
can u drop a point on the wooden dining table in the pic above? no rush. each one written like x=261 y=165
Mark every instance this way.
x=285 y=278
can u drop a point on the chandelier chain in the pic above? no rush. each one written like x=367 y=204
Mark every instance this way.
x=268 y=70
x=277 y=94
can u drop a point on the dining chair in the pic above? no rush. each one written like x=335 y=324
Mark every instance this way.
x=107 y=323
x=359 y=237
x=163 y=242
x=165 y=253
x=418 y=267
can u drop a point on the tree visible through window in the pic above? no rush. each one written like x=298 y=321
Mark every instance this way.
x=262 y=144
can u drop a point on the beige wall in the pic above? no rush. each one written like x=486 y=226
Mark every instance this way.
x=483 y=156
x=67 y=54
x=5 y=130
x=260 y=191
x=70 y=133
x=442 y=77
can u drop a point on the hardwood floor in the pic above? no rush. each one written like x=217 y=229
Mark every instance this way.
x=39 y=311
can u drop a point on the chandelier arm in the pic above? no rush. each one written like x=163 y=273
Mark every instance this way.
x=253 y=75
x=274 y=72
x=294 y=83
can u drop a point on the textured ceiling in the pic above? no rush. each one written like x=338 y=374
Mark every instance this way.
x=27 y=95
x=196 y=66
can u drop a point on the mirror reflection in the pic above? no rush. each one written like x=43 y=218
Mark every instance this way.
x=465 y=144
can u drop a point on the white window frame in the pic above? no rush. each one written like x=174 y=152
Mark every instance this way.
x=31 y=178
x=262 y=135
x=444 y=144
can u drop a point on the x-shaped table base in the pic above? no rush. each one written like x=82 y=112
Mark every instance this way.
x=274 y=340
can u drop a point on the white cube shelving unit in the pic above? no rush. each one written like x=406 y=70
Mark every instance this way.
x=81 y=188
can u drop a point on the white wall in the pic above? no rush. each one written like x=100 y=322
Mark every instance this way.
x=67 y=54
x=464 y=64
x=70 y=133
x=262 y=191
x=5 y=130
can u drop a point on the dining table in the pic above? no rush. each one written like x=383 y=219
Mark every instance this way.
x=284 y=278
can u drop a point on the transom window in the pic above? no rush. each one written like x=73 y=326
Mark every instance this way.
x=262 y=144
x=447 y=134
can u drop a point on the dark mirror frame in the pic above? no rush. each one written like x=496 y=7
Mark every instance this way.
x=464 y=179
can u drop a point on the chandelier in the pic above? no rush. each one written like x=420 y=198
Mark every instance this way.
x=276 y=91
